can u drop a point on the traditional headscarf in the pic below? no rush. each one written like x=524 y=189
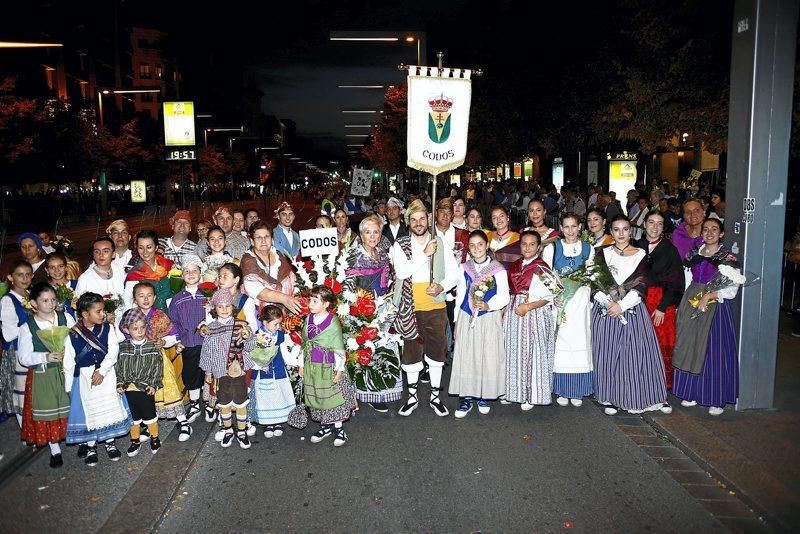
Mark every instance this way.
x=284 y=206
x=415 y=207
x=30 y=235
x=222 y=296
x=181 y=214
x=129 y=317
x=194 y=259
x=114 y=224
x=394 y=201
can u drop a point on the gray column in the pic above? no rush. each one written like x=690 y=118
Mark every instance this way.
x=762 y=74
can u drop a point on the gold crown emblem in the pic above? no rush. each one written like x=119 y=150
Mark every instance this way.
x=440 y=104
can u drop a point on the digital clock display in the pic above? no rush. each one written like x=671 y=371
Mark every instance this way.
x=181 y=155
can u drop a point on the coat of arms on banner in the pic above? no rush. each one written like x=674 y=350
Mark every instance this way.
x=439 y=118
x=362 y=182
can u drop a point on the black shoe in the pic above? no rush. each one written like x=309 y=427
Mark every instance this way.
x=379 y=407
x=244 y=441
x=144 y=433
x=193 y=412
x=227 y=439
x=133 y=450
x=435 y=403
x=425 y=376
x=412 y=402
x=91 y=455
x=113 y=452
x=155 y=444
x=341 y=437
x=321 y=434
x=185 y=431
x=56 y=460
x=82 y=450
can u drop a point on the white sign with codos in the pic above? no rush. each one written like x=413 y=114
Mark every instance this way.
x=318 y=242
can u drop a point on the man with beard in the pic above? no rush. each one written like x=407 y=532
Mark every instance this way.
x=178 y=245
x=422 y=315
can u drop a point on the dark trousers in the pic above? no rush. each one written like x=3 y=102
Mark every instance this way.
x=432 y=327
x=192 y=374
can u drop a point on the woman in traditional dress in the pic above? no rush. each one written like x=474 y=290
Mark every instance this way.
x=503 y=241
x=705 y=357
x=14 y=311
x=268 y=277
x=55 y=264
x=529 y=328
x=536 y=215
x=596 y=223
x=216 y=255
x=629 y=371
x=479 y=361
x=372 y=271
x=44 y=416
x=148 y=265
x=459 y=213
x=665 y=288
x=573 y=377
x=343 y=230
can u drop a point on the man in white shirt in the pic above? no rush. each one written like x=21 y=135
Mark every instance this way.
x=176 y=247
x=120 y=234
x=422 y=311
x=394 y=227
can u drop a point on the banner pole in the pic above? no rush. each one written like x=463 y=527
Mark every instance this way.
x=433 y=220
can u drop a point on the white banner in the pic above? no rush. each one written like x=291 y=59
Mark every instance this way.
x=318 y=242
x=362 y=182
x=438 y=118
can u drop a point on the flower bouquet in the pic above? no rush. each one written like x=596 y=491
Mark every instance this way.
x=477 y=294
x=3 y=289
x=727 y=276
x=207 y=289
x=111 y=303
x=64 y=295
x=53 y=339
x=176 y=283
x=602 y=279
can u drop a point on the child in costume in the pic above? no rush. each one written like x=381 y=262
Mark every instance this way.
x=225 y=358
x=140 y=368
x=329 y=392
x=270 y=385
x=97 y=412
x=14 y=308
x=161 y=331
x=187 y=311
x=44 y=415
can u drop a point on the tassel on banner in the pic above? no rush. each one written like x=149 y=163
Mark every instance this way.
x=416 y=70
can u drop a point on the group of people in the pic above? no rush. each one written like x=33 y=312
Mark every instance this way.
x=174 y=328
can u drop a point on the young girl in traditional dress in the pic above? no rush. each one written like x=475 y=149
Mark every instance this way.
x=269 y=382
x=55 y=264
x=628 y=367
x=97 y=411
x=705 y=357
x=573 y=378
x=161 y=331
x=14 y=309
x=529 y=328
x=187 y=311
x=225 y=358
x=329 y=393
x=139 y=374
x=479 y=361
x=44 y=416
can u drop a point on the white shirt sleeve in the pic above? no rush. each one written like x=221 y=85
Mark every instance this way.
x=69 y=364
x=338 y=360
x=461 y=293
x=502 y=297
x=723 y=294
x=403 y=267
x=25 y=354
x=9 y=319
x=451 y=269
x=170 y=341
x=253 y=288
x=547 y=255
x=631 y=299
x=113 y=352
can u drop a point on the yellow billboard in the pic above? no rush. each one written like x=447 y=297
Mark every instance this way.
x=179 y=124
x=621 y=177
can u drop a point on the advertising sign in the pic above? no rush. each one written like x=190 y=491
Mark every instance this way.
x=179 y=124
x=621 y=177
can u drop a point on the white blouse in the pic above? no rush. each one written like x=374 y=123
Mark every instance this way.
x=621 y=268
x=26 y=354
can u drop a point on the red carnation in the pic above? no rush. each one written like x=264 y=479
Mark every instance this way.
x=295 y=336
x=308 y=265
x=334 y=286
x=303 y=305
x=360 y=339
x=369 y=333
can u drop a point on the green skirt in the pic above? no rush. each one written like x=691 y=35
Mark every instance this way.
x=50 y=399
x=320 y=391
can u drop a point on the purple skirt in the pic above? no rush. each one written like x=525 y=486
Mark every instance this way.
x=718 y=381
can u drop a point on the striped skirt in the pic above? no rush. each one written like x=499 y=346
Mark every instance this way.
x=629 y=371
x=573 y=385
x=718 y=382
x=8 y=361
x=530 y=345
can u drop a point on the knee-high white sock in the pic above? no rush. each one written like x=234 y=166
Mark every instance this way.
x=181 y=418
x=55 y=448
x=194 y=394
x=412 y=372
x=435 y=370
x=337 y=424
x=92 y=443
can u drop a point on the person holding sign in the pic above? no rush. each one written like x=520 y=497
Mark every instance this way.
x=422 y=310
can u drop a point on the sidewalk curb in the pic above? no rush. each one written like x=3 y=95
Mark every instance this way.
x=768 y=518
